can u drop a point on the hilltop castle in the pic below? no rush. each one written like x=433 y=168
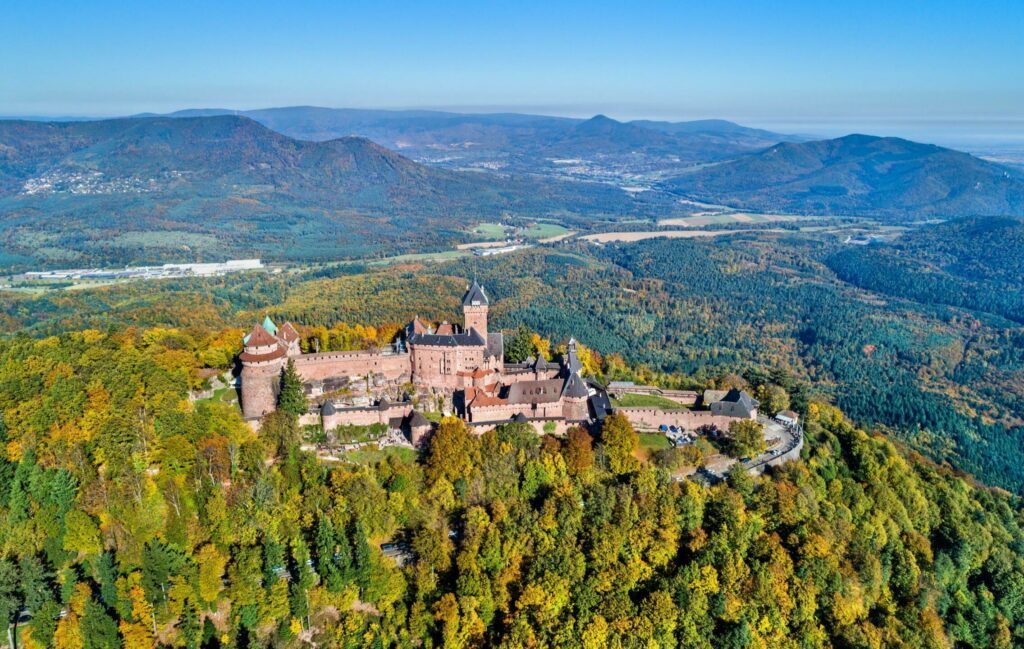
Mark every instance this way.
x=460 y=370
x=465 y=365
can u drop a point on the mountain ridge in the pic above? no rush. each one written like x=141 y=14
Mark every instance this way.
x=860 y=175
x=230 y=180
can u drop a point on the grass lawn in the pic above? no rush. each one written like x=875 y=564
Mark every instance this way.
x=374 y=455
x=646 y=401
x=543 y=231
x=651 y=443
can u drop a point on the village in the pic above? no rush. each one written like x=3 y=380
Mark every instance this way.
x=394 y=396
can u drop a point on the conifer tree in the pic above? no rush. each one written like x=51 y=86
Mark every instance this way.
x=291 y=399
x=519 y=346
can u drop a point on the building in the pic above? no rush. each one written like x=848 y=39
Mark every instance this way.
x=788 y=417
x=735 y=403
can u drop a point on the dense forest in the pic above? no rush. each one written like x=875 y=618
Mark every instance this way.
x=973 y=263
x=132 y=516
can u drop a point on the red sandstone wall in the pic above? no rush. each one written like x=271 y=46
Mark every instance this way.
x=439 y=366
x=366 y=416
x=260 y=385
x=359 y=363
x=507 y=411
x=685 y=419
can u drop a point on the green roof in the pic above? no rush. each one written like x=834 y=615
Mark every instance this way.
x=269 y=325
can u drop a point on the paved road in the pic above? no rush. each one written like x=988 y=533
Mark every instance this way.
x=719 y=465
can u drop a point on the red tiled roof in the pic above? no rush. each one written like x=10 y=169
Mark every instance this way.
x=260 y=337
x=445 y=329
x=487 y=400
x=288 y=332
x=418 y=327
x=269 y=356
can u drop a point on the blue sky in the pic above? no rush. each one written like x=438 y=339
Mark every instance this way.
x=775 y=63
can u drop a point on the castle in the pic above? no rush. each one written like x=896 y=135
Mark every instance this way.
x=461 y=370
x=463 y=366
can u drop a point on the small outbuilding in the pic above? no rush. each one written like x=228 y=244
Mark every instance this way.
x=788 y=417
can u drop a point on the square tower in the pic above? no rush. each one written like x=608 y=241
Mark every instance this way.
x=474 y=309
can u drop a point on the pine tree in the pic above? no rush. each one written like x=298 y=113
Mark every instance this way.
x=362 y=556
x=519 y=347
x=291 y=399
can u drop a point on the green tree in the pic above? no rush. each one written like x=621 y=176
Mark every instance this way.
x=291 y=399
x=620 y=442
x=519 y=346
x=746 y=438
x=10 y=599
x=772 y=398
x=99 y=630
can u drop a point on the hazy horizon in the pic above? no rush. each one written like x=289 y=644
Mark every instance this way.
x=754 y=63
x=983 y=134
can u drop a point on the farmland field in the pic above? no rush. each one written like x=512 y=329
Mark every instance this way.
x=700 y=220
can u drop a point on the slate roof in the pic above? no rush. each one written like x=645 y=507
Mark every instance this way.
x=470 y=338
x=572 y=360
x=738 y=400
x=740 y=397
x=475 y=296
x=416 y=420
x=328 y=408
x=575 y=387
x=535 y=391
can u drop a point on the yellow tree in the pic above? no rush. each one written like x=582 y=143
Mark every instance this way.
x=211 y=572
x=620 y=441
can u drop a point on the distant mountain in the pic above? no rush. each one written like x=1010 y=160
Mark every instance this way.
x=224 y=185
x=598 y=148
x=859 y=175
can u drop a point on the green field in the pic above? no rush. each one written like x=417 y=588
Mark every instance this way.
x=542 y=231
x=490 y=230
x=646 y=401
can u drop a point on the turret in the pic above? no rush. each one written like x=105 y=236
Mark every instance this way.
x=263 y=358
x=474 y=309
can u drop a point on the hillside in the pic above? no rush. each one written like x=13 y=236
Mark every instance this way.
x=859 y=175
x=229 y=185
x=975 y=263
x=132 y=516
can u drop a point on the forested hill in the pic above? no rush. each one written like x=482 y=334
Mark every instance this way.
x=131 y=516
x=860 y=175
x=226 y=185
x=976 y=263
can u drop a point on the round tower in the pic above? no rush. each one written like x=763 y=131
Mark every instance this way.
x=263 y=360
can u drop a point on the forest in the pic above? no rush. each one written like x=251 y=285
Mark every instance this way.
x=132 y=516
